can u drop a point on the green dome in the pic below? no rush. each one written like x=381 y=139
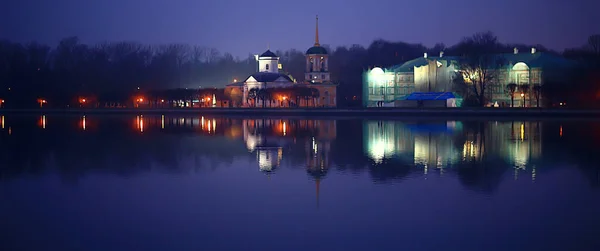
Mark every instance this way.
x=316 y=50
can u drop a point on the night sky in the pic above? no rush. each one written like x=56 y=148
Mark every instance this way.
x=241 y=26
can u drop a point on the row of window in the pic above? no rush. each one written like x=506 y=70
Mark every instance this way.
x=391 y=90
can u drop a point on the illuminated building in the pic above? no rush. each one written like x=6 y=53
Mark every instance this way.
x=268 y=76
x=317 y=73
x=271 y=75
x=436 y=74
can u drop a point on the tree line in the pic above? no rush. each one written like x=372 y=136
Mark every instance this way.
x=112 y=71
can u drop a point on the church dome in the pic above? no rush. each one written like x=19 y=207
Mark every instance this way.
x=316 y=50
x=268 y=54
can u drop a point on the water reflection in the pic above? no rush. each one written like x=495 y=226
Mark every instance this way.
x=478 y=153
x=454 y=144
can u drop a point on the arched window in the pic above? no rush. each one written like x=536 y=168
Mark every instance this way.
x=521 y=73
x=520 y=67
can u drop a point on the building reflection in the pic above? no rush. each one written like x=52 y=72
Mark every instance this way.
x=422 y=145
x=447 y=144
x=269 y=137
x=518 y=143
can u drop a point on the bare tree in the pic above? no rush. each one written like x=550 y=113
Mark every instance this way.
x=537 y=92
x=478 y=71
x=594 y=43
x=512 y=88
x=479 y=67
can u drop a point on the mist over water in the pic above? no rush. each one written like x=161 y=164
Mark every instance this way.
x=171 y=182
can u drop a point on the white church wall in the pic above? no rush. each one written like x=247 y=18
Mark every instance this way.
x=268 y=65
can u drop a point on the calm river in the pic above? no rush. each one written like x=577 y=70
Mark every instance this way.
x=171 y=182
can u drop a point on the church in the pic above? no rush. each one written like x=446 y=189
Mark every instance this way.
x=261 y=88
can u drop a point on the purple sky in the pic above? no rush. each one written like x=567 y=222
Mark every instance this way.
x=241 y=26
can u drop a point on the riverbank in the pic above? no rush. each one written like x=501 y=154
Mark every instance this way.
x=321 y=112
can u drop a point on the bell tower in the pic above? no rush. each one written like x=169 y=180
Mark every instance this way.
x=317 y=62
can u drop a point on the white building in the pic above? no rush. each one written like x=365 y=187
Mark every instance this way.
x=268 y=76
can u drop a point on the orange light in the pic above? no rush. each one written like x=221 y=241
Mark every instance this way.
x=284 y=97
x=141 y=100
x=162 y=100
x=561 y=131
x=522 y=94
x=208 y=99
x=3 y=101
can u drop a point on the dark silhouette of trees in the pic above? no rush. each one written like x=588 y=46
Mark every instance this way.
x=113 y=71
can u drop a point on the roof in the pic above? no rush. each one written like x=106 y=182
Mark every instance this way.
x=538 y=60
x=535 y=60
x=268 y=54
x=431 y=96
x=269 y=76
x=316 y=50
x=410 y=65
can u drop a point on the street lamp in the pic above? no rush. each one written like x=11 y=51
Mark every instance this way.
x=523 y=96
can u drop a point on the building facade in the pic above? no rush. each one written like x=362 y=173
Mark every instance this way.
x=527 y=71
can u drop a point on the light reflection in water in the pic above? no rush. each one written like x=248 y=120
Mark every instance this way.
x=432 y=146
x=140 y=123
x=43 y=121
x=427 y=146
x=284 y=129
x=560 y=133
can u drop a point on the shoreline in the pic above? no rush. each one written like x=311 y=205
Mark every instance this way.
x=320 y=112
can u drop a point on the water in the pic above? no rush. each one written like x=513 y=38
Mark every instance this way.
x=210 y=183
